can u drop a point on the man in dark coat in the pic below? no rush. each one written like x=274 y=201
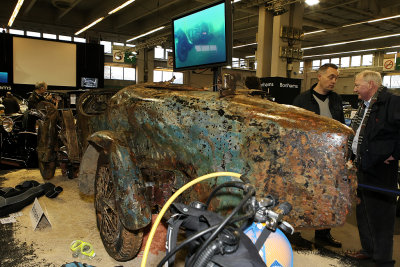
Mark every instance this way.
x=38 y=95
x=376 y=151
x=10 y=103
x=323 y=101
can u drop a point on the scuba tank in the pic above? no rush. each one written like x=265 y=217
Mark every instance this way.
x=214 y=240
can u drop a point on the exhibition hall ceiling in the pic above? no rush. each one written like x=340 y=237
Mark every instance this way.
x=339 y=21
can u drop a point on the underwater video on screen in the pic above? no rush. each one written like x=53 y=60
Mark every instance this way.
x=200 y=38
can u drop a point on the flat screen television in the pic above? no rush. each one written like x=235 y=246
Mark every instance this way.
x=203 y=37
x=89 y=82
x=3 y=77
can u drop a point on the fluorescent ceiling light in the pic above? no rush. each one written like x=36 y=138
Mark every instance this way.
x=250 y=56
x=235 y=1
x=90 y=25
x=314 y=32
x=372 y=21
x=312 y=2
x=147 y=33
x=120 y=7
x=386 y=18
x=354 y=41
x=15 y=13
x=358 y=23
x=238 y=46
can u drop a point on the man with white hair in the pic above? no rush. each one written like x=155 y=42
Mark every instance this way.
x=38 y=95
x=376 y=152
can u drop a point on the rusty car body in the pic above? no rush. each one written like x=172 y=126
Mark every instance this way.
x=153 y=138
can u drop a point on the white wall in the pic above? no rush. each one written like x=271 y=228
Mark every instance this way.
x=41 y=60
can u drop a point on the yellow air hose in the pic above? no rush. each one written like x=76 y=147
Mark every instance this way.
x=169 y=202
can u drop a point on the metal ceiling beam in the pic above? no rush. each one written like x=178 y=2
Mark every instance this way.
x=68 y=9
x=28 y=8
x=129 y=18
x=312 y=10
x=317 y=24
x=369 y=15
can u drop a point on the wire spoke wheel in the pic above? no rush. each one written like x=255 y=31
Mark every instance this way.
x=120 y=243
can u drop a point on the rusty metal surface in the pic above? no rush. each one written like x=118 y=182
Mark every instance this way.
x=70 y=136
x=47 y=133
x=285 y=151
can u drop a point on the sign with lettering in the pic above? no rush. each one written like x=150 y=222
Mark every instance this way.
x=284 y=90
x=5 y=87
x=38 y=217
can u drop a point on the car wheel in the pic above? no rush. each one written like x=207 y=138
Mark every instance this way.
x=47 y=169
x=120 y=243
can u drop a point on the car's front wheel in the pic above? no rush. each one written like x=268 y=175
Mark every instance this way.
x=120 y=243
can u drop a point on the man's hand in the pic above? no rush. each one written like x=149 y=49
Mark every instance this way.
x=389 y=159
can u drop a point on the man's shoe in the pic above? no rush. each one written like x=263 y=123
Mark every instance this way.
x=327 y=239
x=358 y=255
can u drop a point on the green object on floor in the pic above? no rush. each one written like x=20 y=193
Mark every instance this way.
x=80 y=247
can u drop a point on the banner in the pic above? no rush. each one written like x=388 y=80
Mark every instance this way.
x=284 y=90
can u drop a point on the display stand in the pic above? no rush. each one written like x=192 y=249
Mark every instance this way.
x=216 y=73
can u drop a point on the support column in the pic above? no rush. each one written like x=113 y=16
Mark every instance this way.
x=140 y=66
x=269 y=63
x=264 y=40
x=150 y=64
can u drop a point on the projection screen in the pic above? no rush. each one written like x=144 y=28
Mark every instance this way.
x=41 y=60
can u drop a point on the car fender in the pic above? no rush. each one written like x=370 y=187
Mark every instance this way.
x=129 y=188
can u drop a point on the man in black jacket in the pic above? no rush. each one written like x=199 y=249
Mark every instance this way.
x=376 y=151
x=10 y=103
x=322 y=100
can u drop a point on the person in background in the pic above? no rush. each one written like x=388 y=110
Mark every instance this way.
x=11 y=104
x=322 y=100
x=376 y=152
x=38 y=95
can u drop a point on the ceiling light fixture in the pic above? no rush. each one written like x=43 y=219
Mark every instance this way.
x=147 y=33
x=88 y=26
x=376 y=20
x=372 y=21
x=312 y=2
x=354 y=41
x=120 y=7
x=314 y=32
x=238 y=46
x=358 y=23
x=15 y=13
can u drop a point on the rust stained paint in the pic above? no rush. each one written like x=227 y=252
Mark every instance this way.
x=285 y=151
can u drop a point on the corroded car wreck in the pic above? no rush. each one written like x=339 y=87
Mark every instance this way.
x=152 y=139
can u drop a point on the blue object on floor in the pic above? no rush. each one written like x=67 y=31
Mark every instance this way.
x=76 y=264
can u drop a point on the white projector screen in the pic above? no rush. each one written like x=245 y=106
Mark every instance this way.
x=40 y=60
